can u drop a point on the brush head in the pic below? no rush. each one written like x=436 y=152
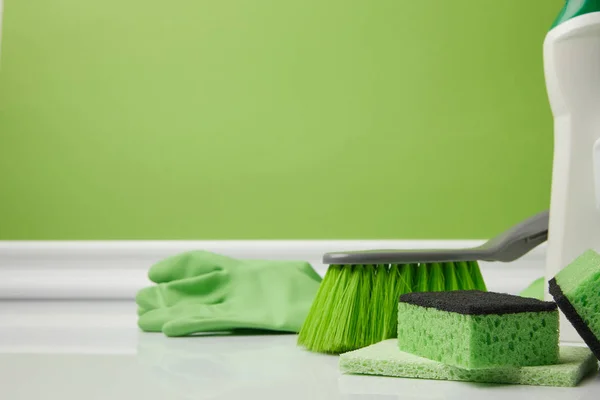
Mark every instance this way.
x=357 y=305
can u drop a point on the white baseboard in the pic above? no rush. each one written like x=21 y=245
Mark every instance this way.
x=117 y=269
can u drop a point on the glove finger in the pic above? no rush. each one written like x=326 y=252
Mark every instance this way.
x=207 y=319
x=199 y=285
x=153 y=321
x=189 y=326
x=310 y=271
x=148 y=299
x=187 y=265
x=208 y=289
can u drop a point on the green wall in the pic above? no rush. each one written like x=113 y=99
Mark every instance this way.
x=235 y=119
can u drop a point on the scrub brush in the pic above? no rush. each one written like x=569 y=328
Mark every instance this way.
x=357 y=302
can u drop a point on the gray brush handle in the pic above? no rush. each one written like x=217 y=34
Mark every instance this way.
x=518 y=240
x=508 y=246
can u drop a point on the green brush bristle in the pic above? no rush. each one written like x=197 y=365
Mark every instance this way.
x=401 y=280
x=463 y=275
x=361 y=322
x=436 y=278
x=406 y=283
x=389 y=289
x=316 y=321
x=422 y=280
x=378 y=320
x=450 y=276
x=357 y=305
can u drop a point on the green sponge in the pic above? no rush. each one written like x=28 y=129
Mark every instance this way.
x=576 y=290
x=385 y=359
x=474 y=329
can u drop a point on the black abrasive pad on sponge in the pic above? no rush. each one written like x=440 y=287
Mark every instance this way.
x=475 y=302
x=576 y=290
x=573 y=316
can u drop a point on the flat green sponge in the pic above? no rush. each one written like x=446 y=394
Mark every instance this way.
x=473 y=329
x=576 y=290
x=385 y=359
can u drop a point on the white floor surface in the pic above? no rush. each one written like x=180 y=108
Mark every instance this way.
x=93 y=350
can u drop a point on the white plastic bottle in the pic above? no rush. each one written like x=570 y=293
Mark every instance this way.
x=572 y=72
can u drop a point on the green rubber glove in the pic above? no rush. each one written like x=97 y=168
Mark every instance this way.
x=206 y=292
x=535 y=289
